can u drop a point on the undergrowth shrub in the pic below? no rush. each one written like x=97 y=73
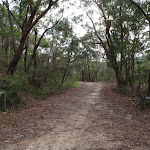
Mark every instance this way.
x=11 y=85
x=35 y=84
x=69 y=82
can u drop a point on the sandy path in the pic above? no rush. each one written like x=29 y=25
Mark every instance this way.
x=82 y=122
x=78 y=130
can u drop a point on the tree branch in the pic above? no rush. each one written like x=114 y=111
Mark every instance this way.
x=101 y=41
x=142 y=11
x=108 y=37
x=38 y=43
x=25 y=21
x=7 y=6
x=51 y=3
x=11 y=27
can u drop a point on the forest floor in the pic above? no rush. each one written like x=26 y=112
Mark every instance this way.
x=92 y=116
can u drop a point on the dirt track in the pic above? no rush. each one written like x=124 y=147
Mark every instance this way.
x=78 y=120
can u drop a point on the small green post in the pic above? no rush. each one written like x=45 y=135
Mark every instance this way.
x=4 y=101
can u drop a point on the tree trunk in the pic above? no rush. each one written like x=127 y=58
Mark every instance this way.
x=149 y=29
x=121 y=36
x=0 y=44
x=17 y=55
x=25 y=59
x=139 y=80
x=148 y=93
x=65 y=71
x=11 y=27
x=89 y=78
x=83 y=74
x=35 y=63
x=8 y=51
x=126 y=72
x=132 y=69
x=119 y=78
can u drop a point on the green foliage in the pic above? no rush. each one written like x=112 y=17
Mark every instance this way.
x=76 y=84
x=104 y=76
x=44 y=43
x=70 y=82
x=144 y=69
x=12 y=86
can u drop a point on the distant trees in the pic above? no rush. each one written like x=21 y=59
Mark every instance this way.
x=87 y=59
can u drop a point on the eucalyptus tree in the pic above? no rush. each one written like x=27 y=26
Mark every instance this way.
x=117 y=30
x=5 y=38
x=144 y=8
x=3 y=26
x=4 y=30
x=64 y=47
x=26 y=14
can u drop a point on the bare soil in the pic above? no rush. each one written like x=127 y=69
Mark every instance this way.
x=90 y=117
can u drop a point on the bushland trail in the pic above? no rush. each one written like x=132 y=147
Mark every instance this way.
x=80 y=119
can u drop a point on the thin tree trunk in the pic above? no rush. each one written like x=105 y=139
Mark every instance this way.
x=29 y=46
x=0 y=44
x=83 y=74
x=149 y=29
x=65 y=71
x=35 y=64
x=139 y=86
x=89 y=78
x=132 y=69
x=132 y=66
x=148 y=93
x=8 y=51
x=11 y=27
x=25 y=59
x=121 y=36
